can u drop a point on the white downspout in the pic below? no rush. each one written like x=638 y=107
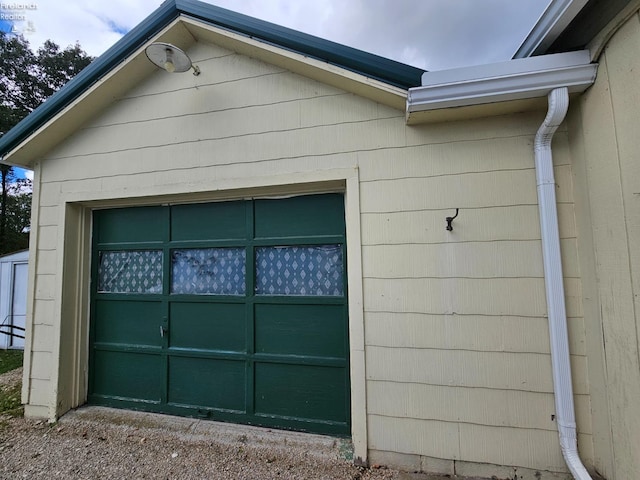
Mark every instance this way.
x=553 y=279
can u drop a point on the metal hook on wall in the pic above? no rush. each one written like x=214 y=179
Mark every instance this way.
x=450 y=220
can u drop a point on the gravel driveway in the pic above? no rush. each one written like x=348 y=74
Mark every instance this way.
x=96 y=442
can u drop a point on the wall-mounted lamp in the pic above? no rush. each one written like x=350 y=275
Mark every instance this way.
x=170 y=58
x=450 y=221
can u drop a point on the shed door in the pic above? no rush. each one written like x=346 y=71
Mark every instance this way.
x=19 y=303
x=233 y=311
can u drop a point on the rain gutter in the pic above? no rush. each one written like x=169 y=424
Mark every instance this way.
x=517 y=79
x=553 y=76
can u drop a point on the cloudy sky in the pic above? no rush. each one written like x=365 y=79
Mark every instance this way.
x=430 y=34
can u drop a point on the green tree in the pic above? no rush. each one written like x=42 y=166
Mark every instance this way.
x=17 y=216
x=26 y=80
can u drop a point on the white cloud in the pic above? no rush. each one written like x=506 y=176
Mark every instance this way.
x=91 y=23
x=431 y=34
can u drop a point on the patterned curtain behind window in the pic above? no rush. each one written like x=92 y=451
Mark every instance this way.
x=307 y=270
x=208 y=271
x=131 y=271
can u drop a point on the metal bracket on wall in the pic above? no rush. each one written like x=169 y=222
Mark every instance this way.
x=450 y=221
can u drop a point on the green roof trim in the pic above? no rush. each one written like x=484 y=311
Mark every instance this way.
x=373 y=66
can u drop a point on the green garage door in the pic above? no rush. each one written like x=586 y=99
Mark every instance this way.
x=233 y=311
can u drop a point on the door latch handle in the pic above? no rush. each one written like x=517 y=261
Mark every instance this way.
x=163 y=330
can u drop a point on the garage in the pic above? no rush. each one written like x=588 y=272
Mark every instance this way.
x=232 y=311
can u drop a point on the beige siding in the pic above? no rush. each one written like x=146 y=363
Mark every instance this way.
x=455 y=322
x=482 y=333
x=40 y=389
x=486 y=224
x=527 y=372
x=504 y=259
x=42 y=313
x=604 y=132
x=478 y=406
x=467 y=296
x=47 y=262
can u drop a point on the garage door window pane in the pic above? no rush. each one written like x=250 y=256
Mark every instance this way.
x=130 y=271
x=208 y=271
x=308 y=270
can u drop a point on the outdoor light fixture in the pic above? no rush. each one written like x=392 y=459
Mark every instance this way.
x=170 y=58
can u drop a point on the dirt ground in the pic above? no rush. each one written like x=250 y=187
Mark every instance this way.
x=97 y=443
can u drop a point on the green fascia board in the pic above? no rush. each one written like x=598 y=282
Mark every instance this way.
x=373 y=66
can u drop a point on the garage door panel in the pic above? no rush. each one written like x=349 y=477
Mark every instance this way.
x=308 y=216
x=135 y=376
x=313 y=330
x=233 y=311
x=208 y=326
x=208 y=383
x=301 y=391
x=123 y=225
x=208 y=221
x=128 y=322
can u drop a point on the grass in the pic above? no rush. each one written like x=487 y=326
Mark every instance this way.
x=9 y=360
x=10 y=394
x=10 y=403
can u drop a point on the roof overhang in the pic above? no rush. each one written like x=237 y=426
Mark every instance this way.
x=570 y=25
x=184 y=22
x=497 y=88
x=553 y=21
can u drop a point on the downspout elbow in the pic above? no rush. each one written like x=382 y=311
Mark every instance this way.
x=553 y=279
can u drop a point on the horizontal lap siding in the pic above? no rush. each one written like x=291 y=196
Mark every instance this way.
x=467 y=190
x=483 y=333
x=456 y=328
x=507 y=258
x=447 y=314
x=43 y=330
x=467 y=296
x=527 y=372
x=42 y=314
x=606 y=150
x=221 y=130
x=40 y=391
x=241 y=117
x=461 y=404
x=183 y=174
x=485 y=225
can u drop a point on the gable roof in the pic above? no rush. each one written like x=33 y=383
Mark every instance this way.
x=362 y=63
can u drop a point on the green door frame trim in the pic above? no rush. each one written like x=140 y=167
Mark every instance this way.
x=70 y=298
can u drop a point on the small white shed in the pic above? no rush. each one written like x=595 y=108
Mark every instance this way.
x=13 y=298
